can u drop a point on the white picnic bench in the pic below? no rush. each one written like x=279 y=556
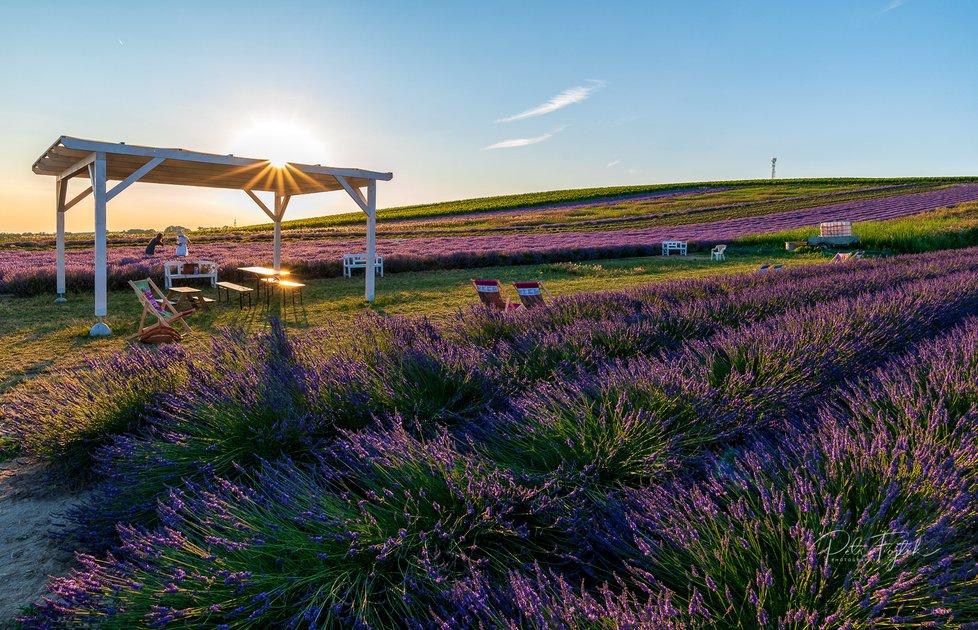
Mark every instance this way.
x=359 y=261
x=673 y=246
x=181 y=270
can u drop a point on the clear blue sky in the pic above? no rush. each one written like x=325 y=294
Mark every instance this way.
x=639 y=92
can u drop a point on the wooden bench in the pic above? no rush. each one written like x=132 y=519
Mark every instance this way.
x=283 y=286
x=179 y=270
x=237 y=288
x=359 y=261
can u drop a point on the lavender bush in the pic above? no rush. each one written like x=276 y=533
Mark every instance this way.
x=367 y=540
x=715 y=452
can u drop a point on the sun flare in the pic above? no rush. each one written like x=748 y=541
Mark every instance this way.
x=280 y=142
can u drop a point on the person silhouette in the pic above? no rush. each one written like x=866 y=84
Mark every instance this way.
x=153 y=244
x=182 y=243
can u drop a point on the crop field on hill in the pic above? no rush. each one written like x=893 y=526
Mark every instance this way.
x=698 y=217
x=793 y=449
x=751 y=190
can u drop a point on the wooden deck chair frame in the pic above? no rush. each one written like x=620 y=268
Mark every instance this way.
x=161 y=308
x=531 y=293
x=491 y=295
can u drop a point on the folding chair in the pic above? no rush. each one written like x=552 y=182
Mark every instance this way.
x=155 y=304
x=491 y=295
x=531 y=293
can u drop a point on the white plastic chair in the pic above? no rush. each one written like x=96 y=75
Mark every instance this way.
x=717 y=252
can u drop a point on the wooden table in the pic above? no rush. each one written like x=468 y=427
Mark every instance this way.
x=186 y=295
x=283 y=286
x=263 y=272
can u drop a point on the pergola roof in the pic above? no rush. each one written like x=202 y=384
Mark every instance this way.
x=69 y=157
x=101 y=161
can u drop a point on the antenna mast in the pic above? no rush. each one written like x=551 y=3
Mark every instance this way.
x=773 y=162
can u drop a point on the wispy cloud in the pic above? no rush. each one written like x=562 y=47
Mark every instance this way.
x=613 y=163
x=893 y=4
x=522 y=142
x=562 y=100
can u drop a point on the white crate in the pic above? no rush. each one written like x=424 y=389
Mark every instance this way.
x=835 y=228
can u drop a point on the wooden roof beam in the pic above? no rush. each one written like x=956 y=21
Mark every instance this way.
x=133 y=178
x=80 y=165
x=261 y=204
x=77 y=199
x=355 y=194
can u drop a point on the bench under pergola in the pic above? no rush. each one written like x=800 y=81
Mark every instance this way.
x=103 y=161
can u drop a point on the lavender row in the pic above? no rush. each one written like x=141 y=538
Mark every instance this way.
x=413 y=523
x=32 y=272
x=637 y=419
x=78 y=411
x=586 y=331
x=874 y=519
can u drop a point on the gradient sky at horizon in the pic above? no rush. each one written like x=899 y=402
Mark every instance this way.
x=467 y=100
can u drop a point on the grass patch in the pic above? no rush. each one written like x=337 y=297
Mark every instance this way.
x=40 y=336
x=945 y=228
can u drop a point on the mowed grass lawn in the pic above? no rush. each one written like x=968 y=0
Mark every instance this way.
x=40 y=336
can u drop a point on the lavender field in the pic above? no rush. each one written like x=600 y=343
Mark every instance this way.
x=31 y=272
x=790 y=450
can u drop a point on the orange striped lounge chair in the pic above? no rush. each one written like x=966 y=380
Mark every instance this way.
x=531 y=293
x=491 y=295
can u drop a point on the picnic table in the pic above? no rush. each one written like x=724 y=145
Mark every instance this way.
x=263 y=272
x=673 y=246
x=283 y=287
x=178 y=296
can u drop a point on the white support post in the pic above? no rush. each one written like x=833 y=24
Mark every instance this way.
x=101 y=262
x=60 y=192
x=277 y=239
x=371 y=269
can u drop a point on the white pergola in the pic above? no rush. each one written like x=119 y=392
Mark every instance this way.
x=103 y=161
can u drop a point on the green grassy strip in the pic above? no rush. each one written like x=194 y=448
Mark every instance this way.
x=39 y=336
x=944 y=228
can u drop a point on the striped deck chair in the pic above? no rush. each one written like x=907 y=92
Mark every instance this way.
x=531 y=293
x=157 y=306
x=491 y=295
x=769 y=267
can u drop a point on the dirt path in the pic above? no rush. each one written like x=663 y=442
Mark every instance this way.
x=29 y=507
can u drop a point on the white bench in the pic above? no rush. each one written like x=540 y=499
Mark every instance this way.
x=180 y=270
x=359 y=261
x=673 y=246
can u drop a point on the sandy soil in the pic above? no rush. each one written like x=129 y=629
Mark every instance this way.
x=30 y=505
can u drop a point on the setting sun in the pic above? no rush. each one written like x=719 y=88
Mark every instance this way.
x=279 y=142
